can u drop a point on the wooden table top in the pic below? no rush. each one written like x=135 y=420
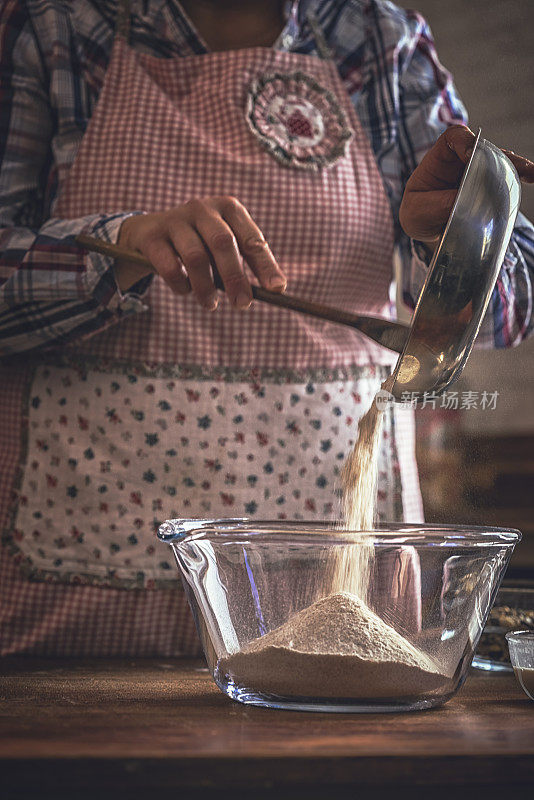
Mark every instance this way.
x=154 y=725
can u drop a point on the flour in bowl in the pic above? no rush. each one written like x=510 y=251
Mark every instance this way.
x=337 y=647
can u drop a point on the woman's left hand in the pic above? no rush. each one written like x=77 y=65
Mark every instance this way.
x=432 y=187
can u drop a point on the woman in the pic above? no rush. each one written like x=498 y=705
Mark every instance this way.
x=202 y=133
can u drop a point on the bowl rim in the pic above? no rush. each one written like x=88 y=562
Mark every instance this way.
x=300 y=532
x=520 y=635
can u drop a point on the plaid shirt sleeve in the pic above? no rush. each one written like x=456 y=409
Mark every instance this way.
x=406 y=111
x=51 y=291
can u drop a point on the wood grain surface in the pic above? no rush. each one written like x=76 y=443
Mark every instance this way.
x=71 y=728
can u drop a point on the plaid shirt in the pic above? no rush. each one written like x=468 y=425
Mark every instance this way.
x=53 y=58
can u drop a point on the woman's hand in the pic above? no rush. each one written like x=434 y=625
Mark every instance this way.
x=184 y=242
x=432 y=187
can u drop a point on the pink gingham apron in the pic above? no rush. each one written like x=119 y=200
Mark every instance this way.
x=180 y=412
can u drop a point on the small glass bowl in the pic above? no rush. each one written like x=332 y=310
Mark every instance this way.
x=521 y=646
x=513 y=610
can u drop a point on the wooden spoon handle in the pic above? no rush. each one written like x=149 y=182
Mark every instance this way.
x=389 y=334
x=113 y=251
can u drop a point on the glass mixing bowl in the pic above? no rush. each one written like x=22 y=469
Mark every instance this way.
x=284 y=625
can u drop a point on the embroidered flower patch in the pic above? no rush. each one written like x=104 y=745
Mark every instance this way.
x=297 y=120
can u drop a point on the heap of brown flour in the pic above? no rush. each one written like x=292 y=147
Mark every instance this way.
x=336 y=647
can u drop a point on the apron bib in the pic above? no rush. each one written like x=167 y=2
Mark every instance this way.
x=330 y=228
x=180 y=412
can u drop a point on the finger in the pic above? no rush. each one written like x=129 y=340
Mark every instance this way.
x=524 y=166
x=196 y=261
x=424 y=215
x=460 y=140
x=443 y=165
x=166 y=261
x=221 y=243
x=252 y=245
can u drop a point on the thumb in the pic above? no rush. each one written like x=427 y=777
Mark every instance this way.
x=460 y=140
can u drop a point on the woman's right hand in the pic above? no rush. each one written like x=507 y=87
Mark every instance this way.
x=184 y=242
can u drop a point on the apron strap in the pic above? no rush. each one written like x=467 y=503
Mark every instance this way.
x=322 y=48
x=122 y=22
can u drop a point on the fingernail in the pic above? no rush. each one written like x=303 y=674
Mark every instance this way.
x=276 y=282
x=212 y=302
x=243 y=300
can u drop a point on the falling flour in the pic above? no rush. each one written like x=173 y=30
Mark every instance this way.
x=338 y=647
x=351 y=566
x=360 y=471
